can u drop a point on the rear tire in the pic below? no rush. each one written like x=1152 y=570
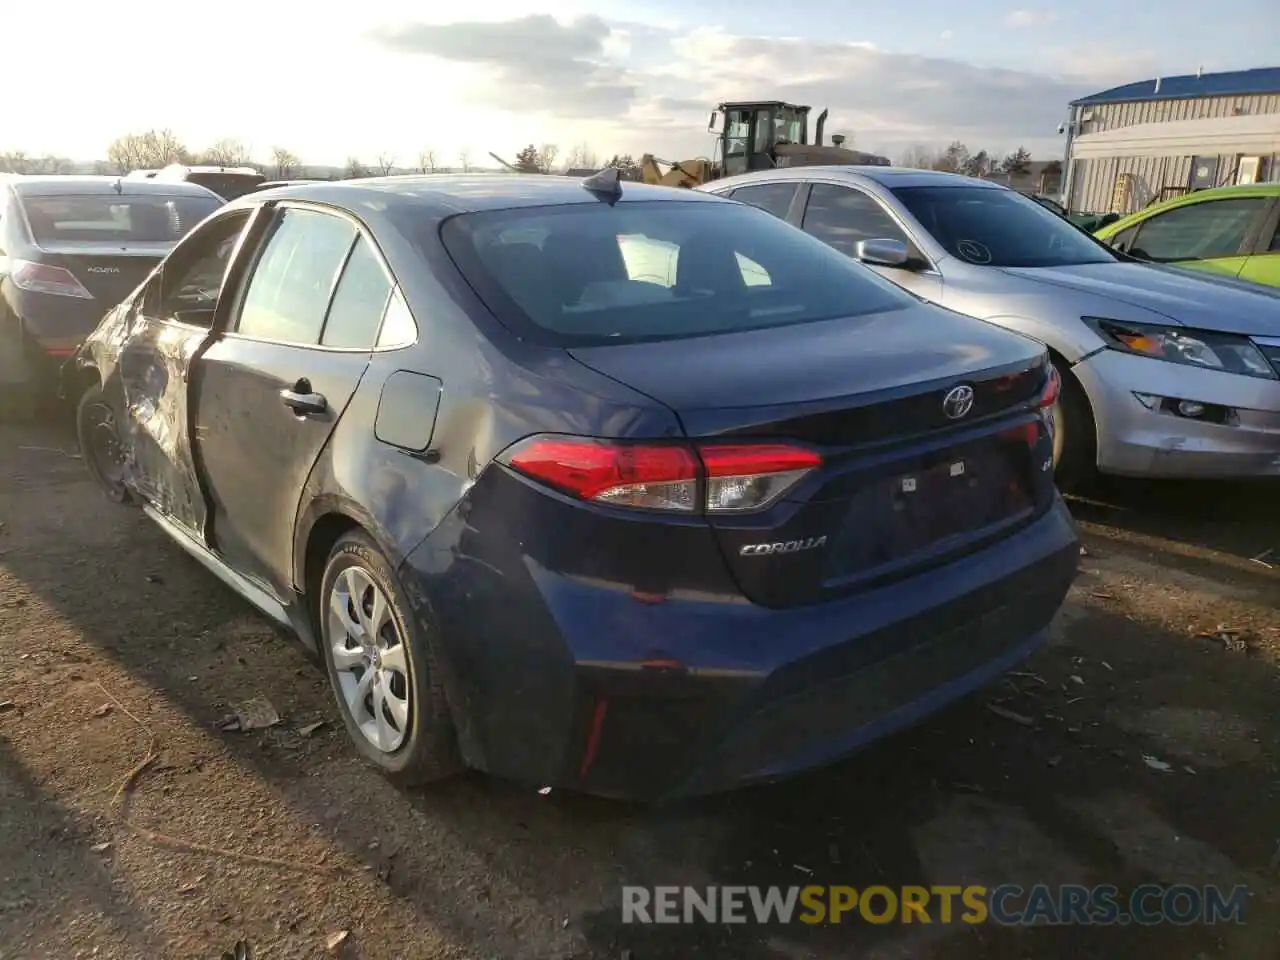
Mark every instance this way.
x=1075 y=438
x=362 y=607
x=100 y=443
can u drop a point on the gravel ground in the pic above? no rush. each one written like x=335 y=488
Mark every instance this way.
x=118 y=648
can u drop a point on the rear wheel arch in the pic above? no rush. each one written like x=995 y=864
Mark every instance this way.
x=320 y=525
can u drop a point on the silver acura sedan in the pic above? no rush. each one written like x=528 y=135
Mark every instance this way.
x=1164 y=373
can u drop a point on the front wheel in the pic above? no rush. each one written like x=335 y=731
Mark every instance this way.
x=382 y=667
x=1074 y=436
x=100 y=444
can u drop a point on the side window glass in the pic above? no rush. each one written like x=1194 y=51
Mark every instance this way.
x=288 y=293
x=1275 y=242
x=188 y=285
x=773 y=198
x=398 y=328
x=1124 y=239
x=1198 y=231
x=359 y=301
x=841 y=216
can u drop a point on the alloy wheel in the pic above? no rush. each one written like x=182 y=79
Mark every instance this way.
x=369 y=659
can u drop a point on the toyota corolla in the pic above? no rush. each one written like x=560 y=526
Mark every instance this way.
x=618 y=488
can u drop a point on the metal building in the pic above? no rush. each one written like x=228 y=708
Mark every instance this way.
x=1143 y=142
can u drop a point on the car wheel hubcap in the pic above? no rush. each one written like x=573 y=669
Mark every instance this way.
x=104 y=440
x=369 y=659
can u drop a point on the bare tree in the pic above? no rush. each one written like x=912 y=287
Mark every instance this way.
x=227 y=152
x=286 y=162
x=464 y=158
x=582 y=157
x=101 y=168
x=355 y=169
x=427 y=160
x=918 y=157
x=547 y=157
x=386 y=163
x=953 y=159
x=52 y=164
x=15 y=161
x=153 y=148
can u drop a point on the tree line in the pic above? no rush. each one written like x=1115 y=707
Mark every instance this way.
x=957 y=158
x=156 y=148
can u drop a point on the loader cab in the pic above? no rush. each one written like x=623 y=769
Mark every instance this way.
x=748 y=132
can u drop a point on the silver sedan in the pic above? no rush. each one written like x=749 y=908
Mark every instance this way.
x=1165 y=373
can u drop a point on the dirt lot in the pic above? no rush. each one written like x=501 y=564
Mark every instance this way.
x=116 y=645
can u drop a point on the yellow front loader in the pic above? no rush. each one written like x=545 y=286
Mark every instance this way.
x=756 y=135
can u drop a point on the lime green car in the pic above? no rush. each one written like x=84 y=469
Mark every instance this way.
x=1233 y=231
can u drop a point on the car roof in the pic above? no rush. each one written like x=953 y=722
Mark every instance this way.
x=463 y=193
x=884 y=176
x=1230 y=190
x=51 y=185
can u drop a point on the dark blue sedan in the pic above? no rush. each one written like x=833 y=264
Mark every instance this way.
x=624 y=489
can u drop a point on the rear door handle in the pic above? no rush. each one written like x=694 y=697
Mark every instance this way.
x=302 y=401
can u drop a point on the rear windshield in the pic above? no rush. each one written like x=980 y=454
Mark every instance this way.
x=114 y=219
x=594 y=273
x=227 y=185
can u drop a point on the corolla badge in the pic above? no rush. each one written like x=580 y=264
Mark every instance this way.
x=103 y=269
x=787 y=546
x=958 y=401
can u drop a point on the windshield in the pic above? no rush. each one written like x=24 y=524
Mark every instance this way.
x=594 y=273
x=114 y=219
x=999 y=228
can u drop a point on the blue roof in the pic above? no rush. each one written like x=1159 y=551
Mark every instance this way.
x=1231 y=84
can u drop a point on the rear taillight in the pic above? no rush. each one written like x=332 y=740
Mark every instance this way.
x=664 y=476
x=1052 y=388
x=751 y=476
x=43 y=278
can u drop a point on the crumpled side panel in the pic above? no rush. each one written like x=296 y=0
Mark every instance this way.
x=150 y=378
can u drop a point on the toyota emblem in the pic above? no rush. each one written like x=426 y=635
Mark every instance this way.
x=958 y=401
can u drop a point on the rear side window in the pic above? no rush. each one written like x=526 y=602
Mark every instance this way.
x=594 y=273
x=113 y=219
x=288 y=292
x=359 y=301
x=773 y=198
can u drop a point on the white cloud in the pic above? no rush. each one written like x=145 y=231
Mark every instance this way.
x=586 y=68
x=946 y=35
x=1031 y=18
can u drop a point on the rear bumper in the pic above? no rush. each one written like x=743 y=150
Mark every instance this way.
x=1136 y=440
x=38 y=332
x=572 y=684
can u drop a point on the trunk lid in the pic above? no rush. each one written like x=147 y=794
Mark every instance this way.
x=108 y=271
x=902 y=484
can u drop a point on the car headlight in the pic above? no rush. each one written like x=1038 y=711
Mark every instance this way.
x=1227 y=352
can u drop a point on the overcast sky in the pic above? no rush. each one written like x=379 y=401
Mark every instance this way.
x=380 y=76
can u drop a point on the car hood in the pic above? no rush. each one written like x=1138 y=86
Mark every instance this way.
x=1221 y=304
